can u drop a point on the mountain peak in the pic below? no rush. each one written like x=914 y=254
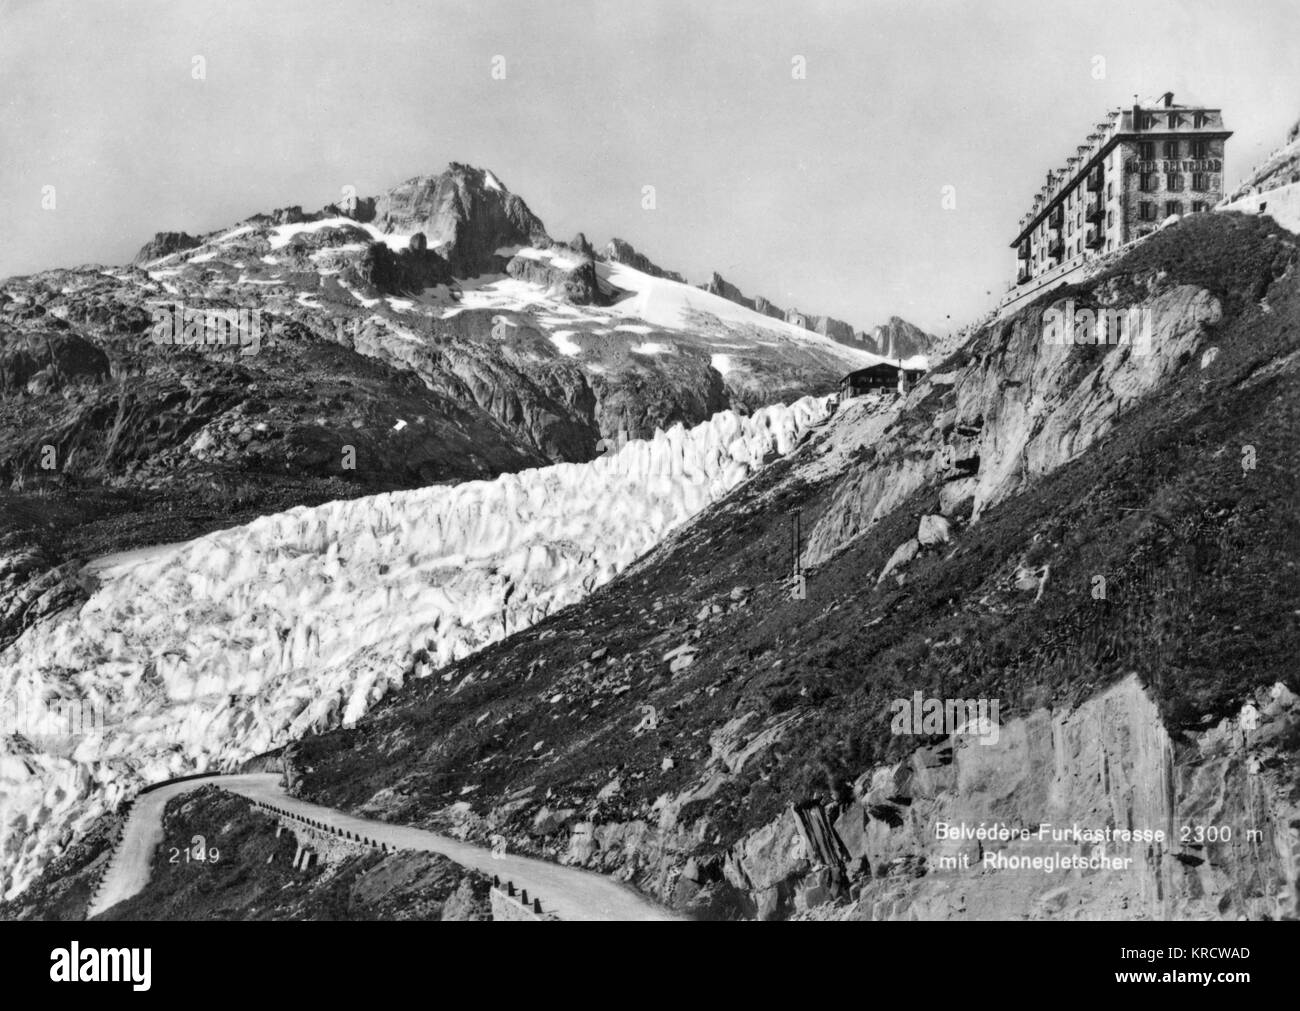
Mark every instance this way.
x=465 y=212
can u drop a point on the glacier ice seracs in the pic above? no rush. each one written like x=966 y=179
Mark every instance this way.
x=206 y=653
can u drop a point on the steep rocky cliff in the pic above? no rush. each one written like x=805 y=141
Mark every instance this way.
x=716 y=285
x=618 y=251
x=466 y=214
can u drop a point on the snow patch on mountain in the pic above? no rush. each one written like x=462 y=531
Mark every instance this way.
x=283 y=234
x=234 y=233
x=562 y=339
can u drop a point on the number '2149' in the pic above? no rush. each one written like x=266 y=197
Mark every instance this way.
x=197 y=852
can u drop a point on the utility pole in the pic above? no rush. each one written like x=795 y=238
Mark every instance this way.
x=800 y=589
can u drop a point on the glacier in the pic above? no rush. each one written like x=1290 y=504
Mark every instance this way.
x=204 y=654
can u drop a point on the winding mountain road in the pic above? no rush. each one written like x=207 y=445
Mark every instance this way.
x=569 y=893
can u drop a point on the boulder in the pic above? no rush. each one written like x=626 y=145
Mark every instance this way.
x=769 y=905
x=547 y=821
x=933 y=530
x=610 y=789
x=817 y=891
x=680 y=658
x=956 y=494
x=768 y=856
x=851 y=828
x=903 y=554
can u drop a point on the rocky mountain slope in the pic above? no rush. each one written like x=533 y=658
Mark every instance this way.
x=1099 y=538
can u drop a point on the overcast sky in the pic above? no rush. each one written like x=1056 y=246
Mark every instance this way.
x=822 y=192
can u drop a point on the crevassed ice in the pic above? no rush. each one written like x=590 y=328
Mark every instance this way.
x=201 y=655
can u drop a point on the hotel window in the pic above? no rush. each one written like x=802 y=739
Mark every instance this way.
x=1148 y=120
x=1110 y=219
x=1173 y=207
x=1146 y=150
x=1198 y=206
x=1146 y=182
x=1145 y=210
x=1199 y=181
x=1173 y=181
x=1199 y=119
x=1200 y=149
x=1110 y=191
x=1174 y=121
x=1171 y=149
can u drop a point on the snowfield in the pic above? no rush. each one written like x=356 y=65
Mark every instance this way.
x=670 y=305
x=645 y=305
x=282 y=234
x=204 y=654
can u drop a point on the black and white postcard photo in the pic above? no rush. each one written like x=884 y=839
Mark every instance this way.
x=791 y=461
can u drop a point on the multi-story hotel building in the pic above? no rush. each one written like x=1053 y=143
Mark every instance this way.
x=1142 y=165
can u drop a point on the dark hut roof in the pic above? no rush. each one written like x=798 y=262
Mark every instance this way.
x=882 y=370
